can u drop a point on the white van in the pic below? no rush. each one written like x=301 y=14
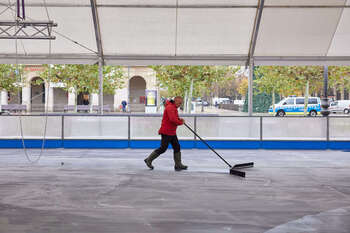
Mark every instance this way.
x=295 y=106
x=340 y=106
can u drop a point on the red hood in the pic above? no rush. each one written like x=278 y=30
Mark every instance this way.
x=169 y=102
x=170 y=119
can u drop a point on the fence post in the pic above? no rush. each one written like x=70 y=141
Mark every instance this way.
x=327 y=133
x=62 y=130
x=129 y=131
x=195 y=128
x=261 y=129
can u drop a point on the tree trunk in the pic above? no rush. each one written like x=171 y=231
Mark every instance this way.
x=189 y=101
x=74 y=90
x=202 y=109
x=306 y=97
x=342 y=90
x=185 y=102
x=335 y=92
x=273 y=101
x=76 y=101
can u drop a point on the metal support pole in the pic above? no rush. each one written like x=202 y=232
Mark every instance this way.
x=324 y=101
x=129 y=136
x=325 y=81
x=23 y=10
x=189 y=100
x=261 y=129
x=96 y=21
x=327 y=133
x=250 y=88
x=100 y=99
x=195 y=127
x=62 y=131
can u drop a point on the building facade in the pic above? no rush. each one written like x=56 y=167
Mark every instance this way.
x=36 y=97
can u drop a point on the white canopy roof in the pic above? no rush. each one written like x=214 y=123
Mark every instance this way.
x=143 y=32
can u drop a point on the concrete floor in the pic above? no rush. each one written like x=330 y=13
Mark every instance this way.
x=112 y=191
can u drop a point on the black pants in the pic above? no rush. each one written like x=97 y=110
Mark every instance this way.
x=166 y=139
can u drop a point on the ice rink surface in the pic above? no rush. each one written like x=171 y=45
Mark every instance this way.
x=83 y=190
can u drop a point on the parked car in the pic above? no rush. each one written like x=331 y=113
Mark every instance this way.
x=217 y=101
x=295 y=106
x=205 y=103
x=340 y=106
x=239 y=102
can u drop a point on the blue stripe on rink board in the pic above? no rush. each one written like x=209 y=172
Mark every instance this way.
x=147 y=144
x=91 y=144
x=153 y=144
x=185 y=144
x=292 y=145
x=30 y=143
x=339 y=145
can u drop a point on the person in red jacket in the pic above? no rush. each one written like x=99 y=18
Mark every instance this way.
x=167 y=130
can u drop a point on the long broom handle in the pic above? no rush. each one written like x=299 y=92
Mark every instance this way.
x=207 y=145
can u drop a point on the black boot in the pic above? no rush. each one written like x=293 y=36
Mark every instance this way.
x=178 y=165
x=150 y=158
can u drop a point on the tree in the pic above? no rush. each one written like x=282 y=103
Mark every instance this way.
x=229 y=87
x=310 y=77
x=271 y=81
x=261 y=99
x=178 y=80
x=287 y=80
x=9 y=78
x=84 y=78
x=243 y=87
x=339 y=76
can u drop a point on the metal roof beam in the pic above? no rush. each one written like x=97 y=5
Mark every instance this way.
x=172 y=60
x=302 y=60
x=97 y=29
x=46 y=59
x=194 y=6
x=27 y=30
x=255 y=33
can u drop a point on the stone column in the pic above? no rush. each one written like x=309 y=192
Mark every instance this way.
x=116 y=101
x=4 y=97
x=49 y=98
x=26 y=92
x=94 y=99
x=71 y=96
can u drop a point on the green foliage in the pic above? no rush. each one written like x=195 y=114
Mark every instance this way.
x=9 y=77
x=289 y=80
x=261 y=102
x=262 y=99
x=177 y=79
x=85 y=78
x=339 y=77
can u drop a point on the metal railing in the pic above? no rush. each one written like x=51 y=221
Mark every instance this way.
x=210 y=127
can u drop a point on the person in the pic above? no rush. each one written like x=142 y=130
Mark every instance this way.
x=85 y=99
x=124 y=105
x=167 y=131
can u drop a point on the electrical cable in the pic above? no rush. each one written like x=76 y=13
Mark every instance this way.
x=28 y=156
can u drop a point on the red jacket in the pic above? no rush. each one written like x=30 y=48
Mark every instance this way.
x=170 y=119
